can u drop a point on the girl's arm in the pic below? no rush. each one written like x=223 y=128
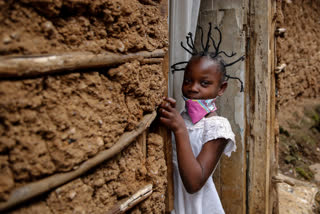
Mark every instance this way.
x=194 y=171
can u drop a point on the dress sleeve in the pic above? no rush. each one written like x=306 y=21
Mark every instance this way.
x=219 y=127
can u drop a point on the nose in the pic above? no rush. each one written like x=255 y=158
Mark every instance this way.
x=194 y=88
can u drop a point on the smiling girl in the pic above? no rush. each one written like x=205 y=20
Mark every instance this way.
x=200 y=135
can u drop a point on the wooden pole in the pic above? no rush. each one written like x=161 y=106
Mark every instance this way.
x=136 y=198
x=167 y=149
x=28 y=66
x=33 y=189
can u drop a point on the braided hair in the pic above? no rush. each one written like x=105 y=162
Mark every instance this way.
x=214 y=55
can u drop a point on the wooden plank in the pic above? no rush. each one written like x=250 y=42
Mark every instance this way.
x=166 y=134
x=260 y=140
x=274 y=127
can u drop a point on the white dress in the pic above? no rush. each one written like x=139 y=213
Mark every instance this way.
x=206 y=200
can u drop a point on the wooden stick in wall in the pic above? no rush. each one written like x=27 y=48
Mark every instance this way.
x=33 y=189
x=29 y=66
x=135 y=199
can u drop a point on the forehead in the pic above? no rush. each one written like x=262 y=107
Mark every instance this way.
x=203 y=66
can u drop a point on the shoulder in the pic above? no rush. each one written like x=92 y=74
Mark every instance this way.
x=217 y=127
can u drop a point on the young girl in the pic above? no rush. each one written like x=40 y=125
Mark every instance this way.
x=201 y=136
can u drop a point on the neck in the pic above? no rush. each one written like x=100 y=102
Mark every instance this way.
x=211 y=114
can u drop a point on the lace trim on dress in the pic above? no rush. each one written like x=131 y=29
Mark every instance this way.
x=219 y=127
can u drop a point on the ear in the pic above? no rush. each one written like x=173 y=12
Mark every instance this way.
x=223 y=87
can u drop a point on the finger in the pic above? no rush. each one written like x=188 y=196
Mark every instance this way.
x=171 y=101
x=163 y=104
x=165 y=113
x=165 y=121
x=160 y=110
x=167 y=106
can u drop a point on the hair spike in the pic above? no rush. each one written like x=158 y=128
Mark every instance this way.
x=240 y=59
x=231 y=55
x=190 y=43
x=201 y=37
x=175 y=68
x=208 y=39
x=220 y=39
x=213 y=42
x=186 y=49
x=237 y=78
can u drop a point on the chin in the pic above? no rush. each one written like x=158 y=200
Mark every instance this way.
x=194 y=98
x=190 y=97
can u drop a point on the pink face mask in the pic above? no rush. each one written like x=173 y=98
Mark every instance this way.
x=197 y=109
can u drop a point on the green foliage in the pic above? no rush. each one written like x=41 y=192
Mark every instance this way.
x=290 y=159
x=305 y=173
x=316 y=119
x=299 y=142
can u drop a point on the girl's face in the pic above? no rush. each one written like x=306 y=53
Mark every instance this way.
x=202 y=79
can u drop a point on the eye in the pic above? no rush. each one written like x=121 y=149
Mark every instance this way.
x=205 y=83
x=186 y=81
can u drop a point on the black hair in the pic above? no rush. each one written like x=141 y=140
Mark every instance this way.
x=214 y=55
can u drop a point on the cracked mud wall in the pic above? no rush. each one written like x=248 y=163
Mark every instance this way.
x=299 y=50
x=42 y=26
x=52 y=124
x=99 y=190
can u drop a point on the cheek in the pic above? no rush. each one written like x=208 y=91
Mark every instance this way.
x=183 y=88
x=212 y=91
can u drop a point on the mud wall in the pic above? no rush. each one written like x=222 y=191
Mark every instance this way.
x=298 y=99
x=299 y=50
x=53 y=123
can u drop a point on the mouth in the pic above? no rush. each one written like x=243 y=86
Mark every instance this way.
x=191 y=97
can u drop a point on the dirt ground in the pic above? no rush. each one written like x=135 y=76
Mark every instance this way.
x=298 y=92
x=300 y=139
x=52 y=124
x=300 y=198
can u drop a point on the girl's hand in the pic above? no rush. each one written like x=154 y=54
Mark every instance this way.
x=169 y=116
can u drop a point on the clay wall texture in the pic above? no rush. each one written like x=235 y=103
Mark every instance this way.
x=299 y=50
x=53 y=123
